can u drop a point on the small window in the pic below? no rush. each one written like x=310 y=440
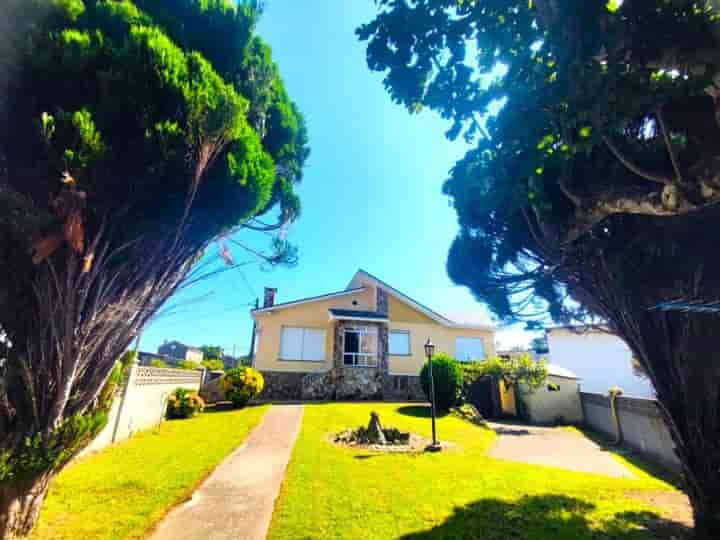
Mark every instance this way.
x=399 y=342
x=553 y=387
x=469 y=349
x=306 y=344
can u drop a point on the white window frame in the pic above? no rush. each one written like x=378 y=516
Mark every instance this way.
x=361 y=359
x=482 y=347
x=409 y=343
x=284 y=355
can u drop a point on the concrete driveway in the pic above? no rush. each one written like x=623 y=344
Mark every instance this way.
x=556 y=447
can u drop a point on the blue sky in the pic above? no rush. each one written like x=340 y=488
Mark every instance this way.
x=371 y=193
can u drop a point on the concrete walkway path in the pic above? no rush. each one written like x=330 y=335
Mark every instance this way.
x=236 y=502
x=556 y=447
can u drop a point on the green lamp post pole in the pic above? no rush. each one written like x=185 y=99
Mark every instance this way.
x=429 y=352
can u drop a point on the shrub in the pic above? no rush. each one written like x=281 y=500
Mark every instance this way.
x=448 y=378
x=470 y=413
x=157 y=362
x=184 y=403
x=241 y=385
x=188 y=364
x=512 y=371
x=213 y=364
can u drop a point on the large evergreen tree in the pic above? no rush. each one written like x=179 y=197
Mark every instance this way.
x=593 y=193
x=133 y=133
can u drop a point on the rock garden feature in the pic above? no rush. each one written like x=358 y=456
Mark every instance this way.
x=377 y=437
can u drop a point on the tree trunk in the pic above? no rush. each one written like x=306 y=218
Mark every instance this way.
x=707 y=519
x=20 y=503
x=679 y=352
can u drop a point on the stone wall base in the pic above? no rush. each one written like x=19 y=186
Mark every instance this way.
x=282 y=385
x=404 y=388
x=349 y=384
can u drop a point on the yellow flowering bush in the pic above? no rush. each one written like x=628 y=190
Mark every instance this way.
x=184 y=403
x=241 y=385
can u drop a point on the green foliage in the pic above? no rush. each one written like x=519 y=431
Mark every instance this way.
x=538 y=91
x=212 y=351
x=39 y=455
x=512 y=371
x=158 y=362
x=469 y=412
x=188 y=364
x=245 y=361
x=140 y=86
x=448 y=380
x=184 y=403
x=241 y=385
x=213 y=364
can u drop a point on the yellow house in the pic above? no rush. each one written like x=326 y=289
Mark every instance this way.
x=364 y=342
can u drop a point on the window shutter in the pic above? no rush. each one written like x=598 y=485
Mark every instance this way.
x=291 y=343
x=314 y=344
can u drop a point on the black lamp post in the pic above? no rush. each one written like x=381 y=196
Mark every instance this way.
x=429 y=352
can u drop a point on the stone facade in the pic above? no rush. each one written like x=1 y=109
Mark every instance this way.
x=282 y=385
x=381 y=300
x=343 y=382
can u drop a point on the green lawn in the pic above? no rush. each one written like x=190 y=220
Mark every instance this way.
x=122 y=491
x=333 y=492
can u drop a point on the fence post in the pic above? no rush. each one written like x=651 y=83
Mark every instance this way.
x=128 y=383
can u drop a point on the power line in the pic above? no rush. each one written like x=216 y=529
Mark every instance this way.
x=247 y=284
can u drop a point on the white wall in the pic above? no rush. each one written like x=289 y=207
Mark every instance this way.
x=546 y=407
x=142 y=403
x=600 y=360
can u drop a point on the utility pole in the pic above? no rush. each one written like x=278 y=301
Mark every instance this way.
x=251 y=355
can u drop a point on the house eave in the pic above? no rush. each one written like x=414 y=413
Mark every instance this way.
x=308 y=300
x=354 y=318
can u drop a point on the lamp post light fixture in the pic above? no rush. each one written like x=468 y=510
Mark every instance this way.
x=429 y=352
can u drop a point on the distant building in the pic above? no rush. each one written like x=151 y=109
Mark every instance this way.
x=146 y=358
x=180 y=351
x=230 y=362
x=600 y=360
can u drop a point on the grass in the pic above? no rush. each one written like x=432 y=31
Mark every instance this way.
x=126 y=489
x=339 y=493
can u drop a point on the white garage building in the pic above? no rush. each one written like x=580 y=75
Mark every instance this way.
x=599 y=359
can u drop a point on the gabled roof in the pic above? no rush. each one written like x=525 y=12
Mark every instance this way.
x=309 y=299
x=357 y=284
x=361 y=277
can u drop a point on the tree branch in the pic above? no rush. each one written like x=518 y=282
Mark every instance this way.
x=666 y=136
x=635 y=169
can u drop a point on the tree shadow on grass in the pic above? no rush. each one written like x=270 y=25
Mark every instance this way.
x=420 y=411
x=555 y=517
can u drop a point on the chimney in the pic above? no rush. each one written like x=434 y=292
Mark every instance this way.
x=269 y=297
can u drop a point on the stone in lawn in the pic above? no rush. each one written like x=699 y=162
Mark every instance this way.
x=375 y=432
